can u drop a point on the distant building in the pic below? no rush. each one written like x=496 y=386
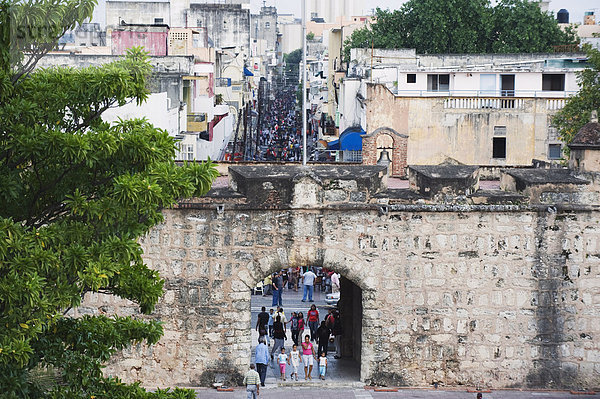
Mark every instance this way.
x=227 y=25
x=263 y=26
x=154 y=38
x=588 y=32
x=331 y=11
x=489 y=110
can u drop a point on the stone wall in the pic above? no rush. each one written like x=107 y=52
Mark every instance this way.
x=491 y=295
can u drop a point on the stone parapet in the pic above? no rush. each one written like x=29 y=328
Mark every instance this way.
x=497 y=295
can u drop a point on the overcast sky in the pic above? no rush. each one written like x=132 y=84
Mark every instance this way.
x=575 y=7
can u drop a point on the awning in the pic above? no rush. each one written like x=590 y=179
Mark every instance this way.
x=333 y=145
x=247 y=72
x=351 y=139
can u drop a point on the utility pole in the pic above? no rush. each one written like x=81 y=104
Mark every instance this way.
x=304 y=83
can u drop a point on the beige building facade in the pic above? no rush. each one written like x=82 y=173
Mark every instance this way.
x=470 y=130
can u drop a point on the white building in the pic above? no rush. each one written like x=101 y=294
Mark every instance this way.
x=182 y=102
x=489 y=109
x=332 y=10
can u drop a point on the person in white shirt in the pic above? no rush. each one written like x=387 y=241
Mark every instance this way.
x=294 y=361
x=308 y=281
x=335 y=282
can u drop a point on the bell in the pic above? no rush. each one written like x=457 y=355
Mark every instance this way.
x=384 y=158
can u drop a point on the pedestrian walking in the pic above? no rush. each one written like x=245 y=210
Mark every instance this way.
x=308 y=281
x=294 y=328
x=294 y=361
x=279 y=335
x=252 y=382
x=268 y=285
x=277 y=289
x=337 y=335
x=270 y=324
x=282 y=359
x=323 y=334
x=322 y=365
x=262 y=324
x=301 y=324
x=308 y=354
x=335 y=282
x=281 y=314
x=313 y=322
x=261 y=358
x=293 y=279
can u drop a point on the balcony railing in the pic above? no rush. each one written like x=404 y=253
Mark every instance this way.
x=482 y=103
x=486 y=93
x=196 y=122
x=551 y=104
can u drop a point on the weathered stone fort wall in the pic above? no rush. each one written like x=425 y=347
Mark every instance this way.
x=494 y=295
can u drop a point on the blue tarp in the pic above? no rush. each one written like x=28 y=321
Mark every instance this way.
x=247 y=72
x=333 y=145
x=349 y=140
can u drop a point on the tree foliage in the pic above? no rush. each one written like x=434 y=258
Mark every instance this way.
x=461 y=26
x=292 y=64
x=77 y=193
x=578 y=109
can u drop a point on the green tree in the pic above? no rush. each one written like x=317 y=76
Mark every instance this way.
x=76 y=195
x=292 y=65
x=579 y=107
x=462 y=26
x=519 y=26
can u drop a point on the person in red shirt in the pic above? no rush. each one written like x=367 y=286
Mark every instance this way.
x=313 y=322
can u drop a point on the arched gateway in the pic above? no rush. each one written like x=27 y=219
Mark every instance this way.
x=462 y=293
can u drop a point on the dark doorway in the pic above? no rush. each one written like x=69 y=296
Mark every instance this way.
x=507 y=85
x=351 y=312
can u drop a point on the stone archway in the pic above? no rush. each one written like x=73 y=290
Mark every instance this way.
x=351 y=268
x=399 y=152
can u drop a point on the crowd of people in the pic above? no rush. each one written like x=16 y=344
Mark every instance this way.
x=293 y=278
x=281 y=135
x=320 y=331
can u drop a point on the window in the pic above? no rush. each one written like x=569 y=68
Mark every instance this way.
x=438 y=82
x=553 y=82
x=554 y=151
x=499 y=148
x=411 y=78
x=499 y=130
x=267 y=25
x=158 y=20
x=198 y=23
x=186 y=152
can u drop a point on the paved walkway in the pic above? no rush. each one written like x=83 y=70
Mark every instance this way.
x=361 y=393
x=339 y=371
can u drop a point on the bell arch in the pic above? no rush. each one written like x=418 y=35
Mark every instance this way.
x=372 y=148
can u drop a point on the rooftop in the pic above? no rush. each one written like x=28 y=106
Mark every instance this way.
x=532 y=177
x=587 y=137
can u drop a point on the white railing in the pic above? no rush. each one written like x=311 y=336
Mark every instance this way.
x=486 y=93
x=483 y=103
x=554 y=104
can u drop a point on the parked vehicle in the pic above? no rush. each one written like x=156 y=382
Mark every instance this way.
x=332 y=299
